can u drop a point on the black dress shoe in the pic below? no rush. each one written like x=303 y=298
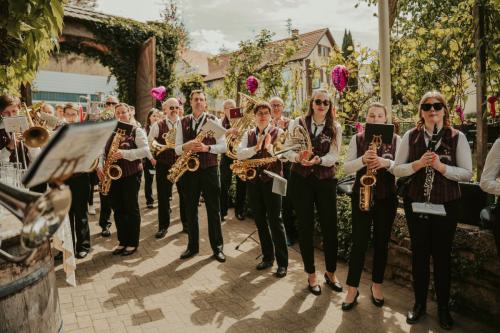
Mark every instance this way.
x=350 y=306
x=377 y=302
x=188 y=254
x=240 y=216
x=264 y=265
x=280 y=272
x=82 y=254
x=161 y=233
x=445 y=320
x=414 y=315
x=129 y=252
x=220 y=256
x=335 y=286
x=118 y=251
x=150 y=205
x=105 y=232
x=315 y=290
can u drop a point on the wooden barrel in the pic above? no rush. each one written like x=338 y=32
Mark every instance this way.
x=28 y=295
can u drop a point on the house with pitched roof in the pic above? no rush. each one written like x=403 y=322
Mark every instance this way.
x=312 y=55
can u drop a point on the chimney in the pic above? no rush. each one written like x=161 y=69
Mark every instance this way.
x=295 y=32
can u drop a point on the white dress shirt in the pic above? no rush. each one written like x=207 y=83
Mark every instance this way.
x=142 y=150
x=353 y=163
x=332 y=156
x=244 y=152
x=154 y=130
x=220 y=143
x=461 y=172
x=491 y=170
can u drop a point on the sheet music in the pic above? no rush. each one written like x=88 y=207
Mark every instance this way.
x=83 y=142
x=214 y=126
x=16 y=124
x=279 y=183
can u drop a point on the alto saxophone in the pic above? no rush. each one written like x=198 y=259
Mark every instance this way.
x=187 y=161
x=368 y=180
x=111 y=170
x=169 y=137
x=246 y=169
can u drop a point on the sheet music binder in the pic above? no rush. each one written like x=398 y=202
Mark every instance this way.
x=386 y=130
x=73 y=148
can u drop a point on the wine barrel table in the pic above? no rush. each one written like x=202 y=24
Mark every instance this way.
x=28 y=294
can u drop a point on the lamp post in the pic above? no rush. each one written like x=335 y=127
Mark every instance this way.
x=385 y=56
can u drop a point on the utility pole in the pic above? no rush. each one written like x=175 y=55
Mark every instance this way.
x=481 y=123
x=385 y=56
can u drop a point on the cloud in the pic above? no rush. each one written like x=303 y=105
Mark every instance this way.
x=211 y=41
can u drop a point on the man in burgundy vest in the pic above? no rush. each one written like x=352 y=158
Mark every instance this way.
x=204 y=180
x=277 y=107
x=226 y=175
x=164 y=162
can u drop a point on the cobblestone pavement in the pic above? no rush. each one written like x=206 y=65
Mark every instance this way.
x=154 y=291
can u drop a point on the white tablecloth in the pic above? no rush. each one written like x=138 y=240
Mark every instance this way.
x=62 y=241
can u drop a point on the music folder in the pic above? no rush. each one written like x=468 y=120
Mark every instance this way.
x=215 y=127
x=72 y=148
x=235 y=113
x=386 y=130
x=279 y=183
x=126 y=127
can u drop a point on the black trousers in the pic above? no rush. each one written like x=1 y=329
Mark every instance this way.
x=94 y=180
x=78 y=213
x=432 y=235
x=226 y=176
x=148 y=181
x=105 y=212
x=181 y=191
x=496 y=228
x=382 y=216
x=124 y=197
x=308 y=193
x=206 y=181
x=164 y=192
x=266 y=207
x=287 y=208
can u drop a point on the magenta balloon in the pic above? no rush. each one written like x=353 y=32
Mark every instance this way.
x=339 y=77
x=159 y=93
x=252 y=84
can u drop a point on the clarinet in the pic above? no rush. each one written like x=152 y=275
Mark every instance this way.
x=429 y=171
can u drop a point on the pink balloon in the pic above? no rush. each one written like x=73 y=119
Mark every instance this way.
x=339 y=77
x=159 y=93
x=460 y=112
x=252 y=84
x=359 y=128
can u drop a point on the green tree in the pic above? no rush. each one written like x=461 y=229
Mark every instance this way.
x=347 y=50
x=28 y=32
x=186 y=85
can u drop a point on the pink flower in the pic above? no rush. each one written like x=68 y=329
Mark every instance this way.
x=359 y=128
x=252 y=84
x=339 y=77
x=159 y=93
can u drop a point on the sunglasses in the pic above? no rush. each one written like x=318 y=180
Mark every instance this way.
x=428 y=106
x=318 y=102
x=173 y=108
x=111 y=103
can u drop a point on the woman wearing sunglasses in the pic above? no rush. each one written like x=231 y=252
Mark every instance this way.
x=381 y=213
x=312 y=184
x=432 y=235
x=152 y=118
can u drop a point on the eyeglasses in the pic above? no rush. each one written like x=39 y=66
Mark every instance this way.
x=262 y=114
x=173 y=108
x=318 y=102
x=428 y=106
x=276 y=105
x=111 y=103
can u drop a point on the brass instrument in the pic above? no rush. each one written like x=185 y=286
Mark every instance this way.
x=41 y=214
x=169 y=137
x=111 y=170
x=368 y=180
x=246 y=169
x=187 y=161
x=297 y=139
x=241 y=124
x=36 y=135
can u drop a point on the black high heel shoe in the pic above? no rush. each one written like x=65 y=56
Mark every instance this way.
x=376 y=301
x=315 y=290
x=350 y=306
x=335 y=286
x=129 y=252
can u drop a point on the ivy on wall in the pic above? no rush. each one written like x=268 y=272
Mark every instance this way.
x=118 y=43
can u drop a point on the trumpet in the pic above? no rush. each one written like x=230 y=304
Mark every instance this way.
x=41 y=214
x=169 y=137
x=36 y=135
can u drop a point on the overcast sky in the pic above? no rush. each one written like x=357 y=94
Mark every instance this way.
x=213 y=24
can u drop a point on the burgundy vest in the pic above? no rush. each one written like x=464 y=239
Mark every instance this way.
x=386 y=182
x=206 y=159
x=276 y=167
x=167 y=157
x=129 y=168
x=443 y=189
x=225 y=123
x=321 y=146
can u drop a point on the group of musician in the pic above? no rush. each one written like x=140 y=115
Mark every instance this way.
x=311 y=194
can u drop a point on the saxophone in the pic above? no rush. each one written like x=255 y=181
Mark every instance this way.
x=169 y=137
x=111 y=170
x=368 y=180
x=246 y=169
x=242 y=124
x=187 y=161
